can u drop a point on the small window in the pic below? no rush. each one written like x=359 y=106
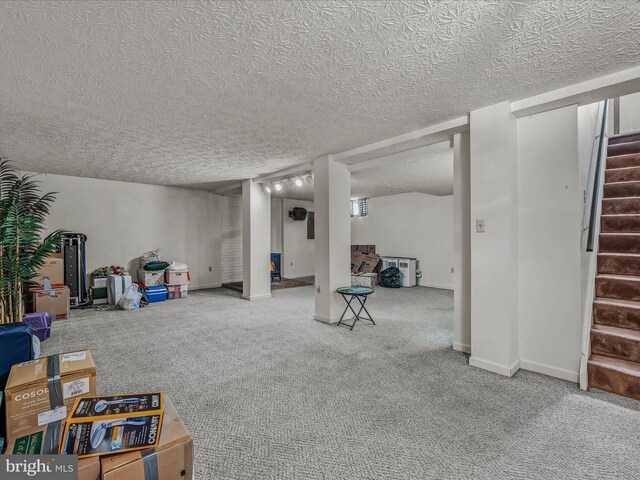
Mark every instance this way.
x=359 y=208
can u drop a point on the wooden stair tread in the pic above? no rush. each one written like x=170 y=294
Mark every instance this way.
x=622 y=169
x=614 y=302
x=626 y=333
x=609 y=276
x=623 y=366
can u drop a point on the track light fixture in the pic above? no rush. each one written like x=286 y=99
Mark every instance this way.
x=290 y=182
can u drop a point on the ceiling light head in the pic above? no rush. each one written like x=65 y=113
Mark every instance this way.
x=289 y=182
x=267 y=188
x=309 y=178
x=277 y=186
x=298 y=182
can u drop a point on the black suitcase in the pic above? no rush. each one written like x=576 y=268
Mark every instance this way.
x=16 y=346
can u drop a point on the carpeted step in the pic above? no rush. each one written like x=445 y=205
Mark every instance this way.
x=624 y=138
x=614 y=375
x=620 y=287
x=620 y=223
x=624 y=205
x=616 y=342
x=619 y=263
x=619 y=243
x=628 y=174
x=622 y=189
x=624 y=161
x=623 y=149
x=616 y=313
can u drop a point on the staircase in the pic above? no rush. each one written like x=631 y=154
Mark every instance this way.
x=614 y=364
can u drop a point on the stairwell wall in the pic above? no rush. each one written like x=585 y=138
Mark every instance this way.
x=588 y=129
x=630 y=113
x=550 y=209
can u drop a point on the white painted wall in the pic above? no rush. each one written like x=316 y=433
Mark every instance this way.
x=462 y=243
x=298 y=259
x=629 y=113
x=494 y=252
x=411 y=225
x=588 y=129
x=231 y=243
x=124 y=220
x=332 y=192
x=256 y=241
x=550 y=212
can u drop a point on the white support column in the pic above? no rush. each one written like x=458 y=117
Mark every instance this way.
x=462 y=243
x=494 y=252
x=332 y=190
x=256 y=241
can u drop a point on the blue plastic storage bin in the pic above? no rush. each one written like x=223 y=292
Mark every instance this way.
x=156 y=294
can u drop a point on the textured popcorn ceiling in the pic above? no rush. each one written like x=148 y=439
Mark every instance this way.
x=201 y=92
x=430 y=173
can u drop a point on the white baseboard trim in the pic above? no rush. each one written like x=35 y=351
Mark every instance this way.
x=551 y=371
x=205 y=287
x=325 y=319
x=256 y=297
x=435 y=285
x=461 y=347
x=507 y=370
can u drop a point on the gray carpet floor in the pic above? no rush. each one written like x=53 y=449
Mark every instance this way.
x=269 y=393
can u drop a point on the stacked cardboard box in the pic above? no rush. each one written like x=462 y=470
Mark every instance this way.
x=52 y=270
x=50 y=295
x=364 y=262
x=150 y=278
x=37 y=418
x=366 y=249
x=177 y=284
x=171 y=459
x=113 y=424
x=38 y=396
x=364 y=280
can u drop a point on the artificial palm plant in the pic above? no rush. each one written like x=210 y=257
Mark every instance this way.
x=22 y=213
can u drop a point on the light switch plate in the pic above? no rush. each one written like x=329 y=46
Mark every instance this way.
x=480 y=225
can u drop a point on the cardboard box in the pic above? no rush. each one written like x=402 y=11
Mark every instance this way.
x=370 y=263
x=174 y=454
x=175 y=292
x=105 y=425
x=31 y=406
x=366 y=249
x=361 y=263
x=53 y=269
x=32 y=444
x=175 y=278
x=151 y=278
x=364 y=280
x=54 y=302
x=356 y=260
x=89 y=468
